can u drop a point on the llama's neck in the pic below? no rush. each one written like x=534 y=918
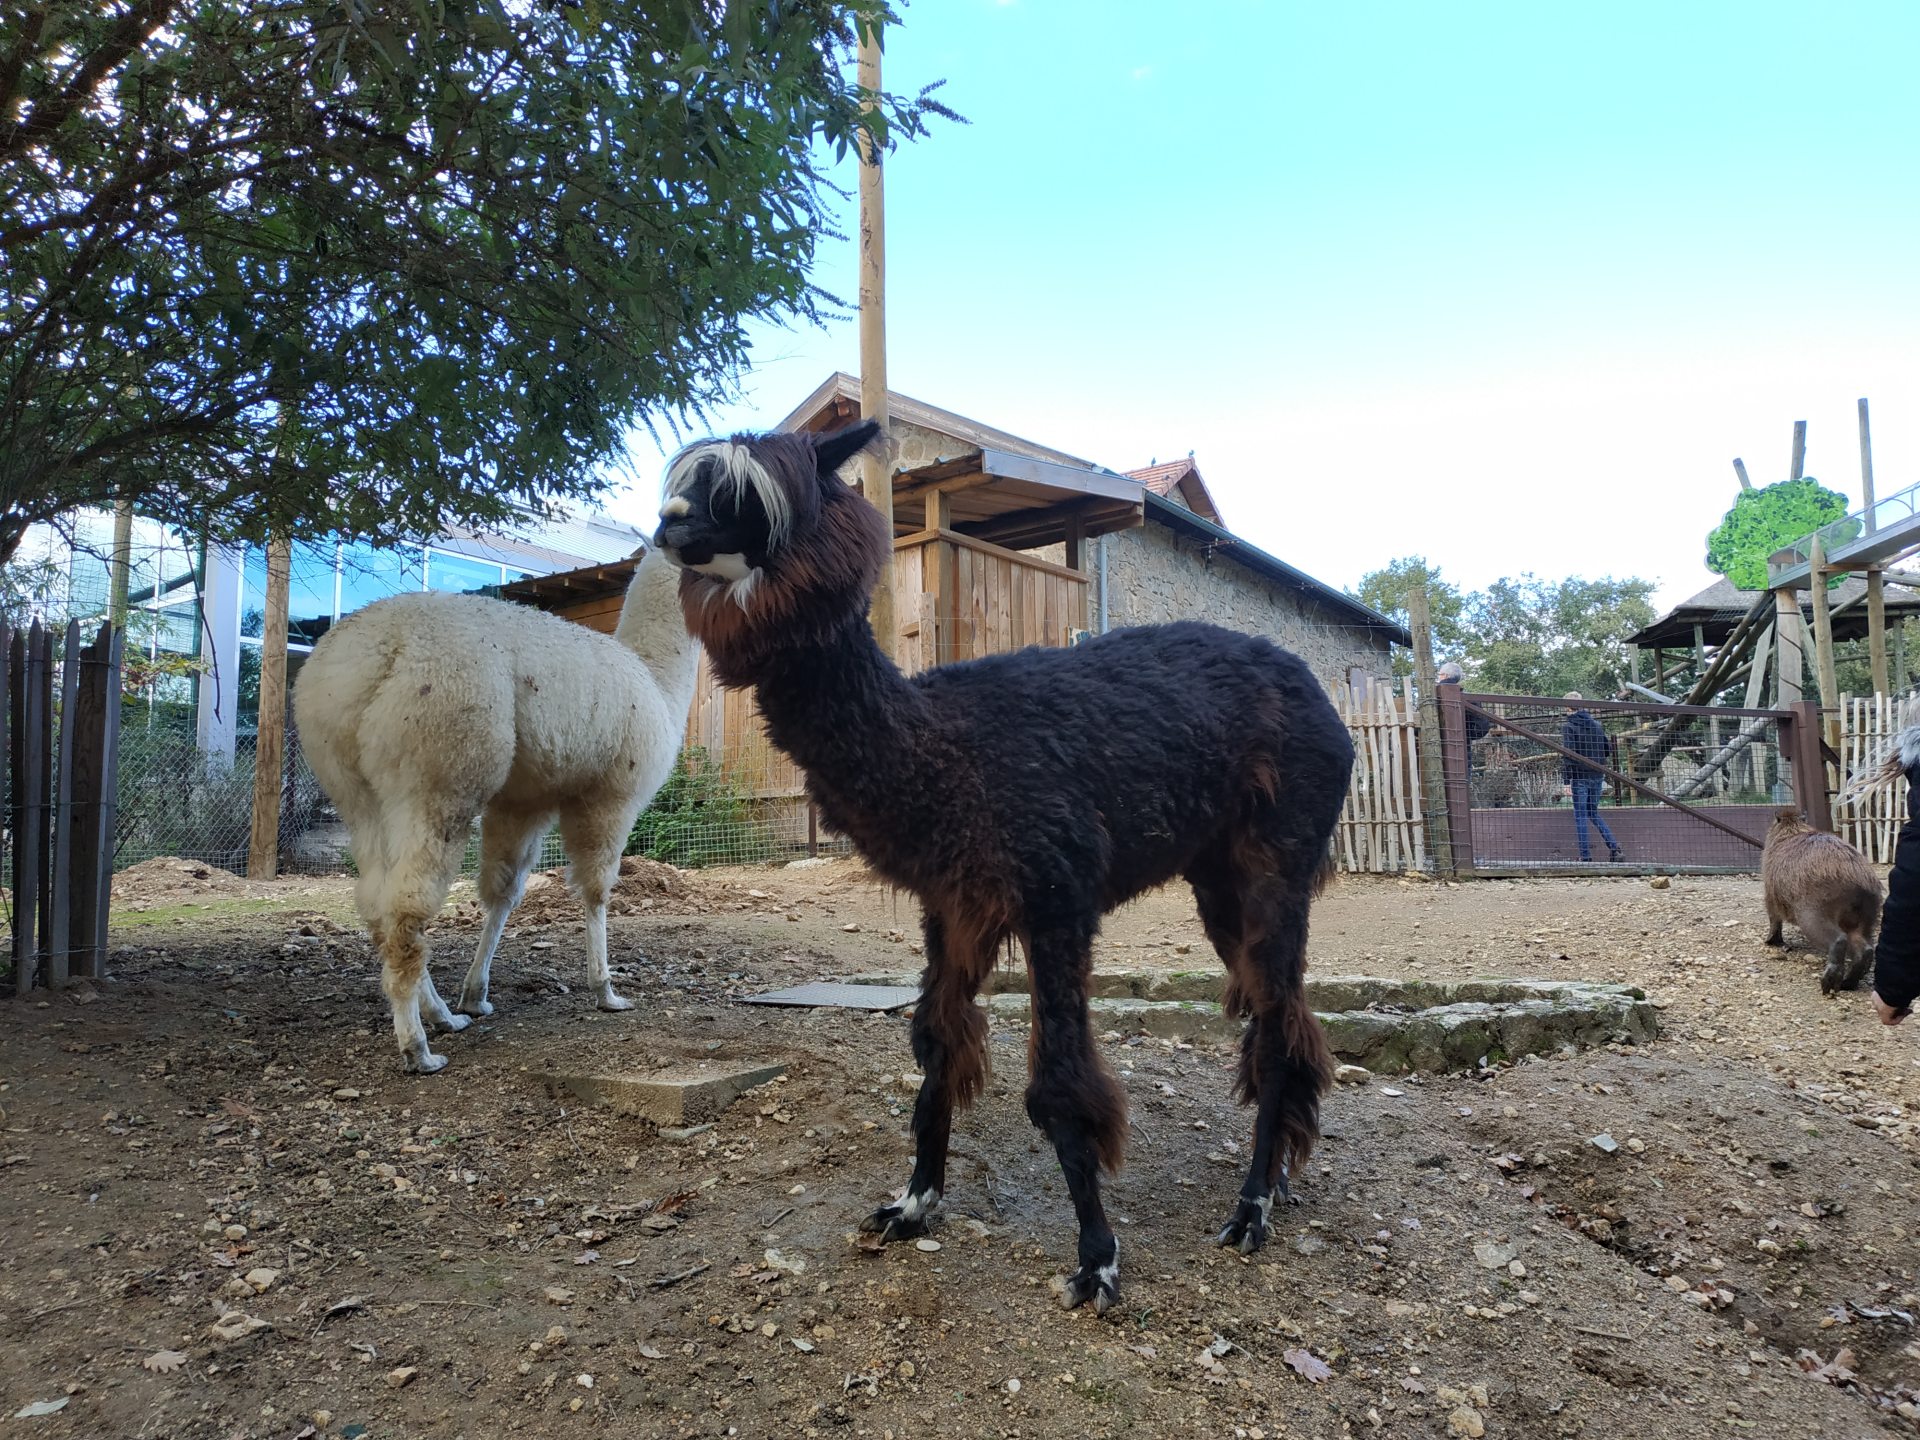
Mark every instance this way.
x=844 y=711
x=654 y=628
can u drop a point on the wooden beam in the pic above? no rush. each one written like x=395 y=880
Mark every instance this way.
x=1823 y=646
x=1740 y=469
x=1798 y=467
x=1433 y=785
x=1877 y=632
x=1866 y=467
x=1790 y=669
x=941 y=485
x=269 y=751
x=876 y=466
x=1042 y=521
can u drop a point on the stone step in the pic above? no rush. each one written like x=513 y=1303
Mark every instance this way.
x=1397 y=1026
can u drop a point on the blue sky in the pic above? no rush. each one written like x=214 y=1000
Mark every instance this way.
x=1505 y=285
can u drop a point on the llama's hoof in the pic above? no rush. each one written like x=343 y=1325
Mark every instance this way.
x=477 y=1009
x=1247 y=1230
x=426 y=1063
x=610 y=1001
x=1095 y=1285
x=895 y=1222
x=451 y=1024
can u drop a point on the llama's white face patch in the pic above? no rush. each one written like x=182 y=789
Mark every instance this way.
x=676 y=507
x=732 y=566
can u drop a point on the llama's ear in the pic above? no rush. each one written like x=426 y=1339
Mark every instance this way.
x=835 y=449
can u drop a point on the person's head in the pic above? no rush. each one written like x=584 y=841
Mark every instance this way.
x=1573 y=695
x=1451 y=673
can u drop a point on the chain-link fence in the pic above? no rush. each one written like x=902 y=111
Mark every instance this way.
x=1556 y=783
x=743 y=808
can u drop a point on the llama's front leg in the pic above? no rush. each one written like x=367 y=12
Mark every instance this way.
x=1077 y=1103
x=508 y=843
x=434 y=1011
x=599 y=971
x=949 y=1042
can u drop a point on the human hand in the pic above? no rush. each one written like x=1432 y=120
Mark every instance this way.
x=1889 y=1015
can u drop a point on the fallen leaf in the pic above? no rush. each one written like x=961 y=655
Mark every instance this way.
x=558 y=1295
x=650 y=1352
x=1307 y=1365
x=586 y=1257
x=1145 y=1350
x=164 y=1362
x=41 y=1407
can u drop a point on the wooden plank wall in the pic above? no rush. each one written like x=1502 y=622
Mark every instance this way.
x=1382 y=830
x=1868 y=724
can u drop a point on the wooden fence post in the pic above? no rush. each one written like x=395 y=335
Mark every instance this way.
x=60 y=916
x=1810 y=766
x=29 y=764
x=263 y=852
x=1432 y=777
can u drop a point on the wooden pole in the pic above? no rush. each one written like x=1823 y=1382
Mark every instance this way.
x=876 y=467
x=269 y=753
x=1799 y=465
x=1823 y=646
x=1790 y=668
x=120 y=562
x=1866 y=467
x=1740 y=469
x=1877 y=631
x=1433 y=788
x=1876 y=585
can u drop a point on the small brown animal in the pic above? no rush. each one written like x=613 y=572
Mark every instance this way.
x=1827 y=888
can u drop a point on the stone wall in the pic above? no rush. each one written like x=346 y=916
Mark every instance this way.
x=1154 y=575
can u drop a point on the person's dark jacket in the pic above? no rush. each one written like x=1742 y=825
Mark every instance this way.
x=1896 y=967
x=1584 y=737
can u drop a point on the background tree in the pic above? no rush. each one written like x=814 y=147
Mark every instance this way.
x=374 y=268
x=1386 y=591
x=1763 y=520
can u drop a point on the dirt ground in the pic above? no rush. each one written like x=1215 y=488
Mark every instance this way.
x=221 y=1136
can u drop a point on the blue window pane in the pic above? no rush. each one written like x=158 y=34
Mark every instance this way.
x=456 y=572
x=367 y=574
x=310 y=591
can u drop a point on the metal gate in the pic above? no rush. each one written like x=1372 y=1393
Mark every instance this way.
x=1648 y=788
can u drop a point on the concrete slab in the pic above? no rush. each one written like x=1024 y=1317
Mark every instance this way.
x=865 y=996
x=679 y=1095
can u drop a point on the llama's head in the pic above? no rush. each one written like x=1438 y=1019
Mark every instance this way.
x=769 y=540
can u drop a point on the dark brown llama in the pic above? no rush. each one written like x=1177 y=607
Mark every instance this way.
x=1827 y=888
x=1024 y=796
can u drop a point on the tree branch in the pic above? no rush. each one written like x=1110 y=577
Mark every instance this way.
x=135 y=28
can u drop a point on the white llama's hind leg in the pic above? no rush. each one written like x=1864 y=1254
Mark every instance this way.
x=434 y=1011
x=406 y=896
x=509 y=841
x=594 y=841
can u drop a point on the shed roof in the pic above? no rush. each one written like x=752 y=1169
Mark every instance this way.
x=1720 y=607
x=1179 y=480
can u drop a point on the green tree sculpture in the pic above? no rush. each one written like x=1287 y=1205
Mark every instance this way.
x=1763 y=520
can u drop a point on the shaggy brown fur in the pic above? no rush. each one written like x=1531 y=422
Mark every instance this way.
x=1022 y=797
x=1825 y=887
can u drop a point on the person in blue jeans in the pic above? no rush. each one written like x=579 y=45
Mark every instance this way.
x=1592 y=748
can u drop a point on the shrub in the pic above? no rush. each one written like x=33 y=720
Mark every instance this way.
x=701 y=816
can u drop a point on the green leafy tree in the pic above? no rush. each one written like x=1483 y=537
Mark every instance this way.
x=371 y=268
x=1529 y=636
x=1386 y=590
x=1763 y=520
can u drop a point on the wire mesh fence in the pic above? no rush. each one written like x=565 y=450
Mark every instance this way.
x=1558 y=783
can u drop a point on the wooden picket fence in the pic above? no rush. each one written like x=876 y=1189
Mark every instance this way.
x=1868 y=724
x=60 y=723
x=1382 y=829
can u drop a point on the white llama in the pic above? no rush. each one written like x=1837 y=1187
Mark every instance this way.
x=422 y=711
